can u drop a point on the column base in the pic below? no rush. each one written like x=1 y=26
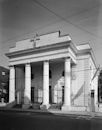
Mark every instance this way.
x=100 y=108
x=66 y=108
x=44 y=107
x=26 y=106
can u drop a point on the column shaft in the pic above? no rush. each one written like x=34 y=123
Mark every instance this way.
x=12 y=85
x=27 y=92
x=46 y=83
x=67 y=92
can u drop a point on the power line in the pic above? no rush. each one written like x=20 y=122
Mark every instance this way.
x=31 y=33
x=51 y=23
x=62 y=18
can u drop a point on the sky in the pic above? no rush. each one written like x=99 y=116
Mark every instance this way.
x=20 y=19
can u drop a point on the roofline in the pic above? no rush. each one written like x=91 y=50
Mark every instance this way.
x=21 y=39
x=90 y=52
x=37 y=49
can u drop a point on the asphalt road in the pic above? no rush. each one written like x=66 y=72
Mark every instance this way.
x=43 y=121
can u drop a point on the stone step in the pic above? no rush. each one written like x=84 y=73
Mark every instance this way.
x=55 y=106
x=17 y=106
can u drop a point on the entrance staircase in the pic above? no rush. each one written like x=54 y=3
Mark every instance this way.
x=17 y=106
x=37 y=106
x=55 y=106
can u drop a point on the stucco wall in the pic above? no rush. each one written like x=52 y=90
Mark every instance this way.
x=57 y=81
x=37 y=82
x=94 y=83
x=80 y=82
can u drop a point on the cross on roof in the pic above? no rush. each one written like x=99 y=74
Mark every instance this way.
x=34 y=39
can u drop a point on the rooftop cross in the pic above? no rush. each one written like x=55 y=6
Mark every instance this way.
x=34 y=39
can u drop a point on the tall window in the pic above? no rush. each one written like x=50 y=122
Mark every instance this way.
x=32 y=76
x=63 y=73
x=100 y=87
x=50 y=74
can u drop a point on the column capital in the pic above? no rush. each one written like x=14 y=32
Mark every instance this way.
x=11 y=66
x=46 y=61
x=67 y=58
x=28 y=63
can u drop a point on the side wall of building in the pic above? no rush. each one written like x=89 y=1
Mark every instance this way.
x=80 y=82
x=94 y=83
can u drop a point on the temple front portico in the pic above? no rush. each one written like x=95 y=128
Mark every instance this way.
x=51 y=70
x=30 y=78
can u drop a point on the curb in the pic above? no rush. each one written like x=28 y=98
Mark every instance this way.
x=59 y=113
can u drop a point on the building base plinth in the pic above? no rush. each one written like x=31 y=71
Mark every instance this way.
x=44 y=107
x=36 y=106
x=99 y=108
x=73 y=108
x=66 y=108
x=78 y=108
x=26 y=106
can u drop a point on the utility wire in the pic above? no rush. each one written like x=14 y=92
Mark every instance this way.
x=51 y=23
x=31 y=33
x=62 y=18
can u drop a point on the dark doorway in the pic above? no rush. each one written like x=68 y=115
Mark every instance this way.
x=19 y=97
x=62 y=94
x=32 y=94
x=50 y=94
x=92 y=101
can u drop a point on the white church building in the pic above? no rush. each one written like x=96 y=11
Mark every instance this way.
x=49 y=69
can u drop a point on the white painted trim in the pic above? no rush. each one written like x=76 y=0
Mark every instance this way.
x=51 y=55
x=31 y=60
x=83 y=57
x=41 y=54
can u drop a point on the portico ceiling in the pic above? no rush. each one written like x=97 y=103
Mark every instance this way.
x=20 y=19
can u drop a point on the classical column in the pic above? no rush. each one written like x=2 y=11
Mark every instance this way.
x=12 y=84
x=27 y=91
x=46 y=83
x=67 y=91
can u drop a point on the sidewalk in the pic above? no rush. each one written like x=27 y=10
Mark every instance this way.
x=76 y=113
x=55 y=112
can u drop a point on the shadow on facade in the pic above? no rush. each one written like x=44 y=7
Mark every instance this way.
x=79 y=92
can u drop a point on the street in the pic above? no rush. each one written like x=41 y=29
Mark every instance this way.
x=46 y=121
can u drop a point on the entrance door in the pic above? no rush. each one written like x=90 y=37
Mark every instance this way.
x=62 y=94
x=19 y=97
x=92 y=101
x=32 y=94
x=50 y=94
